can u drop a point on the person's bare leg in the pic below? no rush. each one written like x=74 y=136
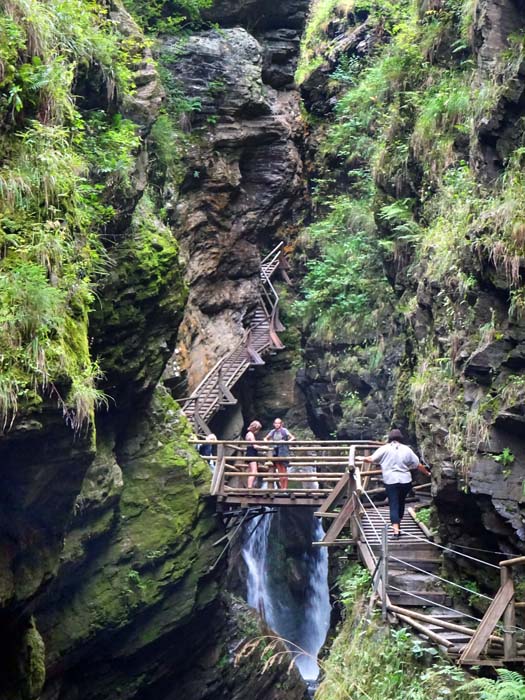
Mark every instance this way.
x=252 y=467
x=283 y=480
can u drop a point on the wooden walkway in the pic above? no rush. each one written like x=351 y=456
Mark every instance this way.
x=215 y=390
x=408 y=582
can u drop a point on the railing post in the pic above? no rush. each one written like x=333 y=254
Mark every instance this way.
x=509 y=618
x=217 y=484
x=354 y=525
x=384 y=572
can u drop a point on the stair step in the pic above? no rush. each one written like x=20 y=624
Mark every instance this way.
x=406 y=600
x=413 y=581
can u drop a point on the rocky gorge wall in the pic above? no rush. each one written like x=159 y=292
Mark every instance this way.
x=108 y=583
x=244 y=185
x=415 y=139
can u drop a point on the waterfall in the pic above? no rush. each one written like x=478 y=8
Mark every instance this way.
x=316 y=620
x=255 y=554
x=305 y=624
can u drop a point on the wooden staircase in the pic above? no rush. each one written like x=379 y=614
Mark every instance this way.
x=407 y=576
x=261 y=336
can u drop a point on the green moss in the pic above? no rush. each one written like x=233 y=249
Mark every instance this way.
x=159 y=548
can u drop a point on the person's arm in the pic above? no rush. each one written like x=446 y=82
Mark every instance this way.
x=250 y=436
x=290 y=436
x=374 y=458
x=423 y=469
x=269 y=436
x=417 y=465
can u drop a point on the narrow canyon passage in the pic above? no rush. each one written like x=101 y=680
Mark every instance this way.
x=317 y=209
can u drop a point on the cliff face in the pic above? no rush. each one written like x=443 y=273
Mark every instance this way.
x=107 y=578
x=417 y=163
x=244 y=183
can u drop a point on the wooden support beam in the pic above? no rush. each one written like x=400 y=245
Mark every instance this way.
x=338 y=492
x=509 y=616
x=384 y=572
x=512 y=562
x=295 y=476
x=329 y=461
x=437 y=638
x=229 y=490
x=226 y=397
x=296 y=443
x=340 y=521
x=491 y=618
x=439 y=621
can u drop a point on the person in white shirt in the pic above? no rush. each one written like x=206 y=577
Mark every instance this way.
x=397 y=463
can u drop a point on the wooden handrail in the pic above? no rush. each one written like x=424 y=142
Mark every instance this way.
x=293 y=444
x=190 y=405
x=512 y=562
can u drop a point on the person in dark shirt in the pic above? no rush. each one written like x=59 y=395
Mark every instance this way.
x=251 y=450
x=280 y=434
x=208 y=450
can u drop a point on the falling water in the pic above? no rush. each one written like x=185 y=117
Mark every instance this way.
x=304 y=629
x=255 y=554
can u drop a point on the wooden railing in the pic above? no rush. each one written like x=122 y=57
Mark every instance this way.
x=332 y=477
x=214 y=391
x=313 y=466
x=503 y=606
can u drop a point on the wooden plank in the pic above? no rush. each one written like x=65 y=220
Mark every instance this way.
x=366 y=556
x=301 y=459
x=335 y=543
x=337 y=493
x=341 y=520
x=437 y=638
x=440 y=621
x=295 y=476
x=295 y=443
x=277 y=503
x=247 y=492
x=424 y=529
x=488 y=624
x=512 y=562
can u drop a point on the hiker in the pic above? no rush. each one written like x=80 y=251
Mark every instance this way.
x=208 y=450
x=251 y=450
x=279 y=433
x=397 y=461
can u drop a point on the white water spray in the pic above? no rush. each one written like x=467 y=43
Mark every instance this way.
x=307 y=629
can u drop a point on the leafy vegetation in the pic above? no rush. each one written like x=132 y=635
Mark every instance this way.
x=352 y=584
x=370 y=662
x=344 y=280
x=56 y=167
x=509 y=685
x=166 y=16
x=399 y=150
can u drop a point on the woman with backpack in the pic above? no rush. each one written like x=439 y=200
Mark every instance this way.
x=282 y=435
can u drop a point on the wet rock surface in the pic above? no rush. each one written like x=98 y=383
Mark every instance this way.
x=461 y=404
x=244 y=182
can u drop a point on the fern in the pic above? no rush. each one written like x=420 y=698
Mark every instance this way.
x=510 y=685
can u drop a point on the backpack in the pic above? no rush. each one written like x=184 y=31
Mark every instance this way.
x=281 y=450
